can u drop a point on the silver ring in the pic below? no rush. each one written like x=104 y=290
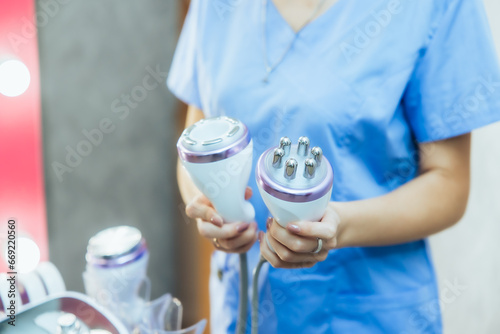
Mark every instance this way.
x=320 y=246
x=216 y=243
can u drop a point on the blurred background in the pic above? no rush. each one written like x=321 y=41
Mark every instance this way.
x=107 y=61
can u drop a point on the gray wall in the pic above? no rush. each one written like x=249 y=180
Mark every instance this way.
x=467 y=256
x=91 y=54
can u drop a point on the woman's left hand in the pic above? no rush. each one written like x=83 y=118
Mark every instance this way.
x=294 y=245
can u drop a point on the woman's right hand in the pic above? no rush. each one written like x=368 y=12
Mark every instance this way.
x=230 y=238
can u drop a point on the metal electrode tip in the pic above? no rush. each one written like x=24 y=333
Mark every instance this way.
x=285 y=144
x=278 y=157
x=290 y=169
x=317 y=153
x=310 y=168
x=303 y=147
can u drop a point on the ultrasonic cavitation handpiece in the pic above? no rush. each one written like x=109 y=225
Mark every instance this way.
x=217 y=153
x=298 y=189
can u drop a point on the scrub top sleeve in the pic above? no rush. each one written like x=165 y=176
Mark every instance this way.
x=455 y=86
x=183 y=75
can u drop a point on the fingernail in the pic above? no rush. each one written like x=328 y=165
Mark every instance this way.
x=268 y=222
x=217 y=220
x=293 y=228
x=242 y=227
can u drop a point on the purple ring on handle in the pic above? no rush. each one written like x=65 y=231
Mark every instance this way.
x=117 y=261
x=288 y=194
x=2 y=308
x=25 y=299
x=214 y=155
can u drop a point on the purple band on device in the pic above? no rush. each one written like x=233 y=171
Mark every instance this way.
x=2 y=308
x=289 y=194
x=215 y=155
x=25 y=299
x=135 y=254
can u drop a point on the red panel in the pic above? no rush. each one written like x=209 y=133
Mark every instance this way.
x=21 y=177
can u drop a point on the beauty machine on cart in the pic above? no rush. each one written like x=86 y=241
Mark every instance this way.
x=116 y=301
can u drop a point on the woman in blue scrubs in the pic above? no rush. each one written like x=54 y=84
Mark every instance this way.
x=390 y=89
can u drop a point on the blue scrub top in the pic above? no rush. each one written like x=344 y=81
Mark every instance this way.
x=367 y=81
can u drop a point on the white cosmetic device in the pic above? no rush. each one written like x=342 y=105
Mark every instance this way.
x=294 y=181
x=217 y=154
x=117 y=260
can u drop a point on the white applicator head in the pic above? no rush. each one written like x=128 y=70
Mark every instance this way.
x=217 y=154
x=294 y=181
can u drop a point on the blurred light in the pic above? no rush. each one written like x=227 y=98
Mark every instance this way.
x=14 y=78
x=27 y=255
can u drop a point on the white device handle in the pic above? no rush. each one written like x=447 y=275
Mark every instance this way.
x=223 y=183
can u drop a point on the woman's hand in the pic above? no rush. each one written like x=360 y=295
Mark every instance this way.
x=294 y=245
x=230 y=238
